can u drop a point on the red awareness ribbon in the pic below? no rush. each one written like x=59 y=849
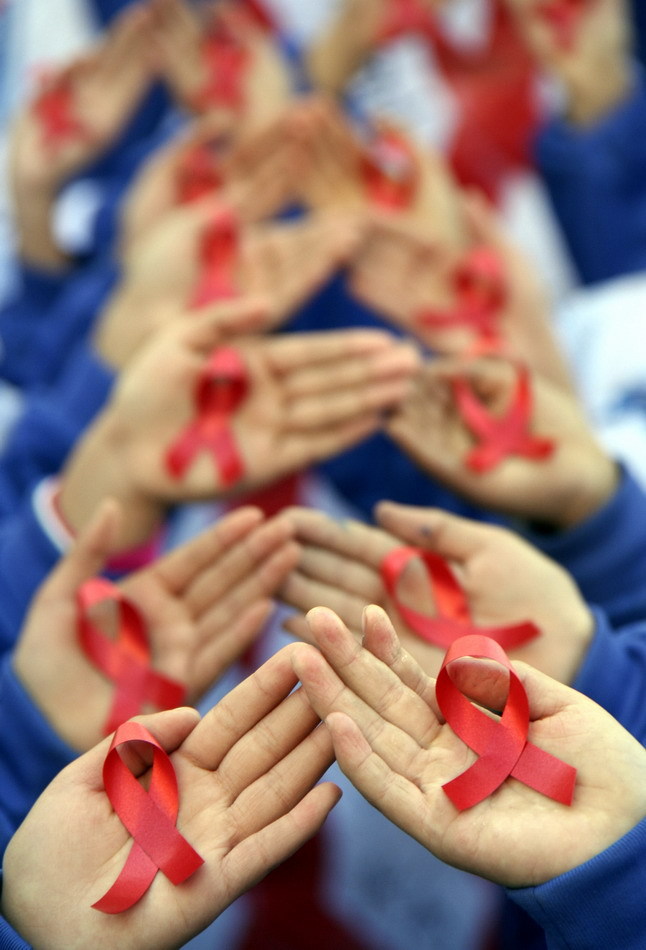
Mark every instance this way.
x=563 y=17
x=480 y=286
x=500 y=436
x=219 y=248
x=227 y=61
x=54 y=109
x=406 y=16
x=150 y=817
x=388 y=168
x=502 y=745
x=126 y=659
x=453 y=619
x=221 y=388
x=198 y=174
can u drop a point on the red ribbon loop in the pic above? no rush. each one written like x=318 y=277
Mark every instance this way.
x=54 y=109
x=501 y=745
x=222 y=387
x=480 y=286
x=501 y=436
x=198 y=174
x=126 y=659
x=218 y=254
x=453 y=618
x=563 y=17
x=150 y=817
x=388 y=168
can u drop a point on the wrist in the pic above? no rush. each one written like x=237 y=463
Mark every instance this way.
x=585 y=497
x=99 y=469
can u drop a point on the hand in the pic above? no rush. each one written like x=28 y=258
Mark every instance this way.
x=390 y=741
x=560 y=491
x=203 y=605
x=245 y=775
x=178 y=39
x=340 y=568
x=106 y=87
x=506 y=581
x=595 y=66
x=403 y=269
x=310 y=396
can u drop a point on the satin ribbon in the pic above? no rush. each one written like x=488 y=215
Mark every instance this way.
x=388 y=168
x=197 y=174
x=227 y=61
x=563 y=18
x=453 y=618
x=126 y=659
x=54 y=109
x=480 y=286
x=219 y=248
x=222 y=387
x=502 y=745
x=500 y=436
x=150 y=817
x=406 y=16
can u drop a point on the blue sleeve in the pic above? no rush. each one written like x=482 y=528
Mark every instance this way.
x=599 y=904
x=613 y=673
x=27 y=555
x=38 y=337
x=596 y=182
x=31 y=753
x=49 y=425
x=9 y=939
x=23 y=319
x=606 y=554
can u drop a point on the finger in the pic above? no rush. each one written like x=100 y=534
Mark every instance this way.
x=244 y=315
x=350 y=372
x=227 y=645
x=343 y=574
x=274 y=843
x=367 y=679
x=185 y=564
x=305 y=593
x=286 y=776
x=93 y=547
x=263 y=583
x=397 y=796
x=238 y=562
x=244 y=708
x=304 y=448
x=348 y=538
x=449 y=535
x=380 y=639
x=334 y=408
x=296 y=350
x=327 y=692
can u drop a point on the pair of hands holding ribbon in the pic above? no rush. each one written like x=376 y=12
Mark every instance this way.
x=342 y=567
x=245 y=775
x=308 y=396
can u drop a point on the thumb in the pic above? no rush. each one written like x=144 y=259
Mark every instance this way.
x=450 y=536
x=89 y=553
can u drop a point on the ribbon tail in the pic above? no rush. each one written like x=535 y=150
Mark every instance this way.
x=134 y=880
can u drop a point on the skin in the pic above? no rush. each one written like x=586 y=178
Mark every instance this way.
x=246 y=773
x=391 y=742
